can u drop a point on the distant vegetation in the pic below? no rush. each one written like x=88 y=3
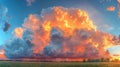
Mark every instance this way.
x=59 y=64
x=63 y=60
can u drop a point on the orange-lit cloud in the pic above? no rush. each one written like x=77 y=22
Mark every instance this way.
x=110 y=8
x=118 y=14
x=2 y=56
x=118 y=1
x=60 y=32
x=19 y=32
x=76 y=29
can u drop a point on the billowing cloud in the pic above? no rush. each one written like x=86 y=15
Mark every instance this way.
x=59 y=32
x=19 y=48
x=29 y=2
x=111 y=8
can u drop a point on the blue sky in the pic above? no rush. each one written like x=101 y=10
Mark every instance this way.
x=107 y=21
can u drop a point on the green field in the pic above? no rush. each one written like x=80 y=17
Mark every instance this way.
x=59 y=64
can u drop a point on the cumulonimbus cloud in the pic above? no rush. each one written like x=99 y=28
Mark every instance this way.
x=59 y=32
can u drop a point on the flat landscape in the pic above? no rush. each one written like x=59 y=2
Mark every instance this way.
x=59 y=64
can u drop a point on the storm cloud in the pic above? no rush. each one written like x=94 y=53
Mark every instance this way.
x=59 y=32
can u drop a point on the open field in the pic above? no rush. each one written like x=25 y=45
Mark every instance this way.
x=59 y=64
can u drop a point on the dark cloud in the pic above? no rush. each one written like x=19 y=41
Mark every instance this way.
x=6 y=27
x=3 y=19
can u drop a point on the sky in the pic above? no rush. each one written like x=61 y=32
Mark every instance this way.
x=105 y=20
x=19 y=10
x=103 y=13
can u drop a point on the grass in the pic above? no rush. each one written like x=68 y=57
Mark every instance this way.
x=59 y=64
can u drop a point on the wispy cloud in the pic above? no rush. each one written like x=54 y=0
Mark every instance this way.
x=29 y=2
x=4 y=18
